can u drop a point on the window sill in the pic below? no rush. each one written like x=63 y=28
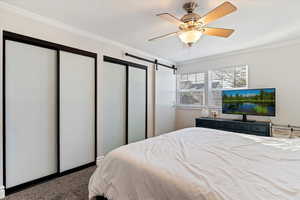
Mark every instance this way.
x=189 y=107
x=196 y=107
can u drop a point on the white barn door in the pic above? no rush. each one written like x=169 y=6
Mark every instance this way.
x=165 y=99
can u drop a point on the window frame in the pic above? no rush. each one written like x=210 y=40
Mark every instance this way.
x=178 y=91
x=207 y=87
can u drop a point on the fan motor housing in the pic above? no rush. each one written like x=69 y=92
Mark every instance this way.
x=190 y=17
x=190 y=6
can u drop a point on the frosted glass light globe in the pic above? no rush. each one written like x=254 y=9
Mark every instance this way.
x=190 y=37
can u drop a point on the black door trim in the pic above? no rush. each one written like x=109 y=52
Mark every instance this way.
x=43 y=43
x=58 y=47
x=123 y=62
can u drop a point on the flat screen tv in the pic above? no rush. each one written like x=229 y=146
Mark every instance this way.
x=249 y=102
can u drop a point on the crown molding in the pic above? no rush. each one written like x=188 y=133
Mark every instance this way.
x=72 y=29
x=279 y=44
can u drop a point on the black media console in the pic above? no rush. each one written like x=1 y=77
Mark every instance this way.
x=252 y=128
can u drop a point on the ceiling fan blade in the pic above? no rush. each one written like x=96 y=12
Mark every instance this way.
x=220 y=11
x=170 y=18
x=220 y=32
x=165 y=36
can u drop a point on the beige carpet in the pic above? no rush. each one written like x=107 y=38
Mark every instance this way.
x=70 y=187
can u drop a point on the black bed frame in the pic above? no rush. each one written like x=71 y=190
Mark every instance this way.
x=101 y=198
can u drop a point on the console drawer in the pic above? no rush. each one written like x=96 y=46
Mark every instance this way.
x=228 y=126
x=259 y=129
x=207 y=124
x=244 y=127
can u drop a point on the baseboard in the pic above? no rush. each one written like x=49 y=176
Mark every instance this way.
x=99 y=160
x=2 y=192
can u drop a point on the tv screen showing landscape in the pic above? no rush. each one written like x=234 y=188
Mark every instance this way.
x=249 y=102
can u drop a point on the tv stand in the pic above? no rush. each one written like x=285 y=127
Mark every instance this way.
x=252 y=128
x=244 y=119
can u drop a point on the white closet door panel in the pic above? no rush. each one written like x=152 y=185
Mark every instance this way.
x=136 y=104
x=165 y=99
x=114 y=109
x=31 y=136
x=77 y=110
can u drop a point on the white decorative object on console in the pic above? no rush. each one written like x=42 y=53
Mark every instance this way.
x=205 y=112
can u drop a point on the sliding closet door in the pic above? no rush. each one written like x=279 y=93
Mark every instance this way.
x=165 y=99
x=77 y=110
x=30 y=112
x=125 y=103
x=137 y=104
x=114 y=108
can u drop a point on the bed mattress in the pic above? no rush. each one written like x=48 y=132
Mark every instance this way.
x=201 y=164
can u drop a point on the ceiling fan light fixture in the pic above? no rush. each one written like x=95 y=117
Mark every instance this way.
x=192 y=25
x=190 y=37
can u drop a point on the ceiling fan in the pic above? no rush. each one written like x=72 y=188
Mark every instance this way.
x=192 y=26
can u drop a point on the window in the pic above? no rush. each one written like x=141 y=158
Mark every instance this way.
x=191 y=89
x=205 y=88
x=222 y=79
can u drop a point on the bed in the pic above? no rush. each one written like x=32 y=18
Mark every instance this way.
x=201 y=164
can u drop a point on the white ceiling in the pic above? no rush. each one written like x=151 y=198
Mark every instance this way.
x=132 y=22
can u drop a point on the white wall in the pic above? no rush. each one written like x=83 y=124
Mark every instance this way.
x=23 y=22
x=278 y=67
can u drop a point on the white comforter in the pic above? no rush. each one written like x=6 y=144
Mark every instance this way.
x=201 y=164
